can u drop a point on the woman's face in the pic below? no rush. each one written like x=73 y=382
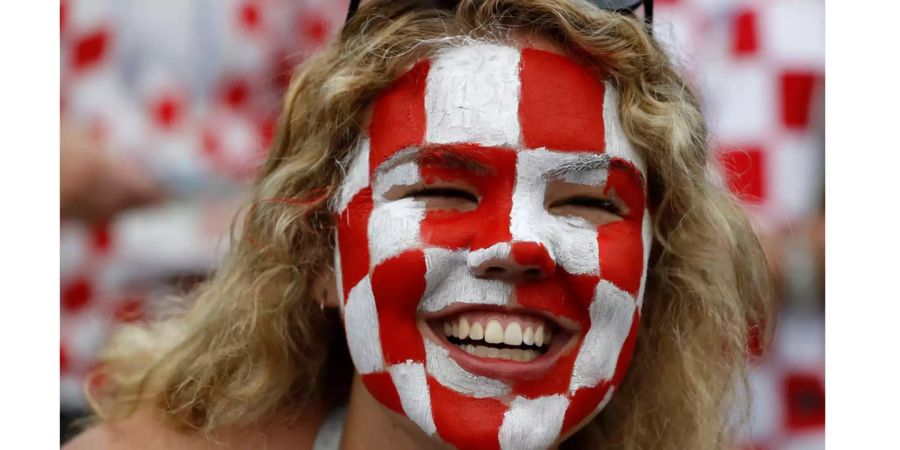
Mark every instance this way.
x=492 y=247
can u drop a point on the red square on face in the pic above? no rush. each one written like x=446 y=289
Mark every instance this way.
x=398 y=116
x=744 y=173
x=561 y=103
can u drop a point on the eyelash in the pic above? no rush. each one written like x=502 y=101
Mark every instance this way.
x=444 y=192
x=590 y=202
x=587 y=202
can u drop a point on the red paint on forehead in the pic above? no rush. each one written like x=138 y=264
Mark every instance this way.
x=561 y=103
x=398 y=116
x=398 y=285
x=466 y=422
x=353 y=242
x=381 y=385
x=489 y=222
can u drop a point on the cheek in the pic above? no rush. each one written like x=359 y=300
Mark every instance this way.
x=622 y=255
x=353 y=243
x=398 y=285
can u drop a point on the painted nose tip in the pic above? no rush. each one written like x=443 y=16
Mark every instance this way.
x=518 y=261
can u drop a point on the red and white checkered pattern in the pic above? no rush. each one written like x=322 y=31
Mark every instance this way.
x=190 y=91
x=759 y=65
x=521 y=115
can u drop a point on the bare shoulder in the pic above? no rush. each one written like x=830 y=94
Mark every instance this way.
x=142 y=430
x=145 y=431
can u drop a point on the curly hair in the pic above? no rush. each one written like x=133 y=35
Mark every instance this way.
x=251 y=344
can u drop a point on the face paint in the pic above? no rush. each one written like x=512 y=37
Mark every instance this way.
x=473 y=301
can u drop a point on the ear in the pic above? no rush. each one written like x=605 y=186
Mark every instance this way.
x=325 y=289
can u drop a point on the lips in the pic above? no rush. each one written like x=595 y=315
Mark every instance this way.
x=501 y=343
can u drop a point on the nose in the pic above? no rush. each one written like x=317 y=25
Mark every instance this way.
x=512 y=261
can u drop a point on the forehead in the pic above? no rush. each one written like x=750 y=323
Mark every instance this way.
x=501 y=97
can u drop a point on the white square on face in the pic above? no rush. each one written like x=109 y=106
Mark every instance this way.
x=472 y=96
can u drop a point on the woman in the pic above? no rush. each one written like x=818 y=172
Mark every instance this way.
x=509 y=205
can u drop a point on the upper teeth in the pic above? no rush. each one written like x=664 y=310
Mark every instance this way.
x=493 y=332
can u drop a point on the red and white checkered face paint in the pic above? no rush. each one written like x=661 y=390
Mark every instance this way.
x=497 y=324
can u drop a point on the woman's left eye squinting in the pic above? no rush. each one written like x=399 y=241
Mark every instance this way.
x=593 y=209
x=445 y=198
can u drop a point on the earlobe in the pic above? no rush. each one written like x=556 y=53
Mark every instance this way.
x=325 y=290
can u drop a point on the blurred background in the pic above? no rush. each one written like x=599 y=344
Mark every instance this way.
x=167 y=107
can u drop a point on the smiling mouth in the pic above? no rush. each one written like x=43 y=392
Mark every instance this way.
x=501 y=342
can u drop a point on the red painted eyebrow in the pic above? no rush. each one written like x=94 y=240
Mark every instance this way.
x=442 y=156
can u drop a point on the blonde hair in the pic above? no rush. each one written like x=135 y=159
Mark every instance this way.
x=252 y=343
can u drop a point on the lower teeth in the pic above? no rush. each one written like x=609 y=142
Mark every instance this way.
x=500 y=353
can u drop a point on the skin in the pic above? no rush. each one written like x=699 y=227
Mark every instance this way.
x=368 y=425
x=94 y=186
x=449 y=184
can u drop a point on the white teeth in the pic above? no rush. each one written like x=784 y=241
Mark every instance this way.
x=513 y=334
x=512 y=354
x=493 y=333
x=463 y=328
x=476 y=332
x=528 y=337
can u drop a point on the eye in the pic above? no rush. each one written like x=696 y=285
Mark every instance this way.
x=445 y=198
x=443 y=193
x=596 y=210
x=590 y=202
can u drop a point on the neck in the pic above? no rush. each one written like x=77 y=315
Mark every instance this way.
x=370 y=425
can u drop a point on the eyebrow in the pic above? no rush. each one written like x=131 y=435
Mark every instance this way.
x=440 y=156
x=583 y=163
x=586 y=163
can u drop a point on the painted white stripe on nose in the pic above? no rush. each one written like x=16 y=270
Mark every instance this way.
x=571 y=242
x=500 y=250
x=472 y=96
